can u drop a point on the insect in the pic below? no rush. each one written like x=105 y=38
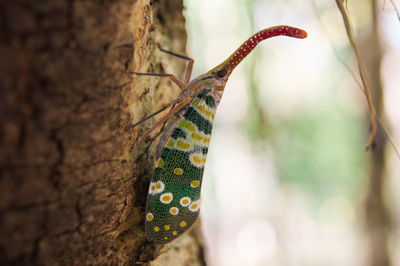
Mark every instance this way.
x=173 y=200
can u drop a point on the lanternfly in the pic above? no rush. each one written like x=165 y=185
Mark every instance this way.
x=173 y=201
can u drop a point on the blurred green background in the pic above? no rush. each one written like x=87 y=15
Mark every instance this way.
x=287 y=176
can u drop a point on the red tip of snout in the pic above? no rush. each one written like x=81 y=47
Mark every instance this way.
x=301 y=34
x=292 y=31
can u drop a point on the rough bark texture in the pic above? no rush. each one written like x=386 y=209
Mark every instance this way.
x=70 y=191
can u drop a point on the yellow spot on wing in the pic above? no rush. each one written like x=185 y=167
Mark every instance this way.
x=166 y=198
x=156 y=228
x=185 y=201
x=182 y=144
x=195 y=183
x=152 y=187
x=166 y=227
x=196 y=137
x=194 y=207
x=174 y=233
x=183 y=224
x=178 y=171
x=149 y=217
x=170 y=143
x=196 y=102
x=189 y=126
x=174 y=210
x=160 y=163
x=156 y=187
x=197 y=159
x=204 y=111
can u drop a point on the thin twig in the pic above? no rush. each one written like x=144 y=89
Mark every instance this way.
x=380 y=121
x=362 y=72
x=335 y=50
x=390 y=138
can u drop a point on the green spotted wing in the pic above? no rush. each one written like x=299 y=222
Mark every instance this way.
x=173 y=202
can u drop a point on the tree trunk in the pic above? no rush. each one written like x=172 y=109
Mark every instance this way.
x=377 y=215
x=71 y=193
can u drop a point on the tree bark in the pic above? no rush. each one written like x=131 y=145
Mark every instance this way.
x=71 y=193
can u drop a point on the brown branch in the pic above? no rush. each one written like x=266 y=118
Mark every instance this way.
x=380 y=120
x=362 y=72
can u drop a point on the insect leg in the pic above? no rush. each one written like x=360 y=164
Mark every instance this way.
x=147 y=117
x=189 y=67
x=188 y=72
x=170 y=76
x=174 y=54
x=172 y=103
x=174 y=110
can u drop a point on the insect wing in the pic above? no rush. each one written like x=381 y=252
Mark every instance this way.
x=173 y=202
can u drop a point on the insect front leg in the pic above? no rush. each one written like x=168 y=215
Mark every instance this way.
x=163 y=119
x=176 y=105
x=165 y=131
x=172 y=77
x=189 y=67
